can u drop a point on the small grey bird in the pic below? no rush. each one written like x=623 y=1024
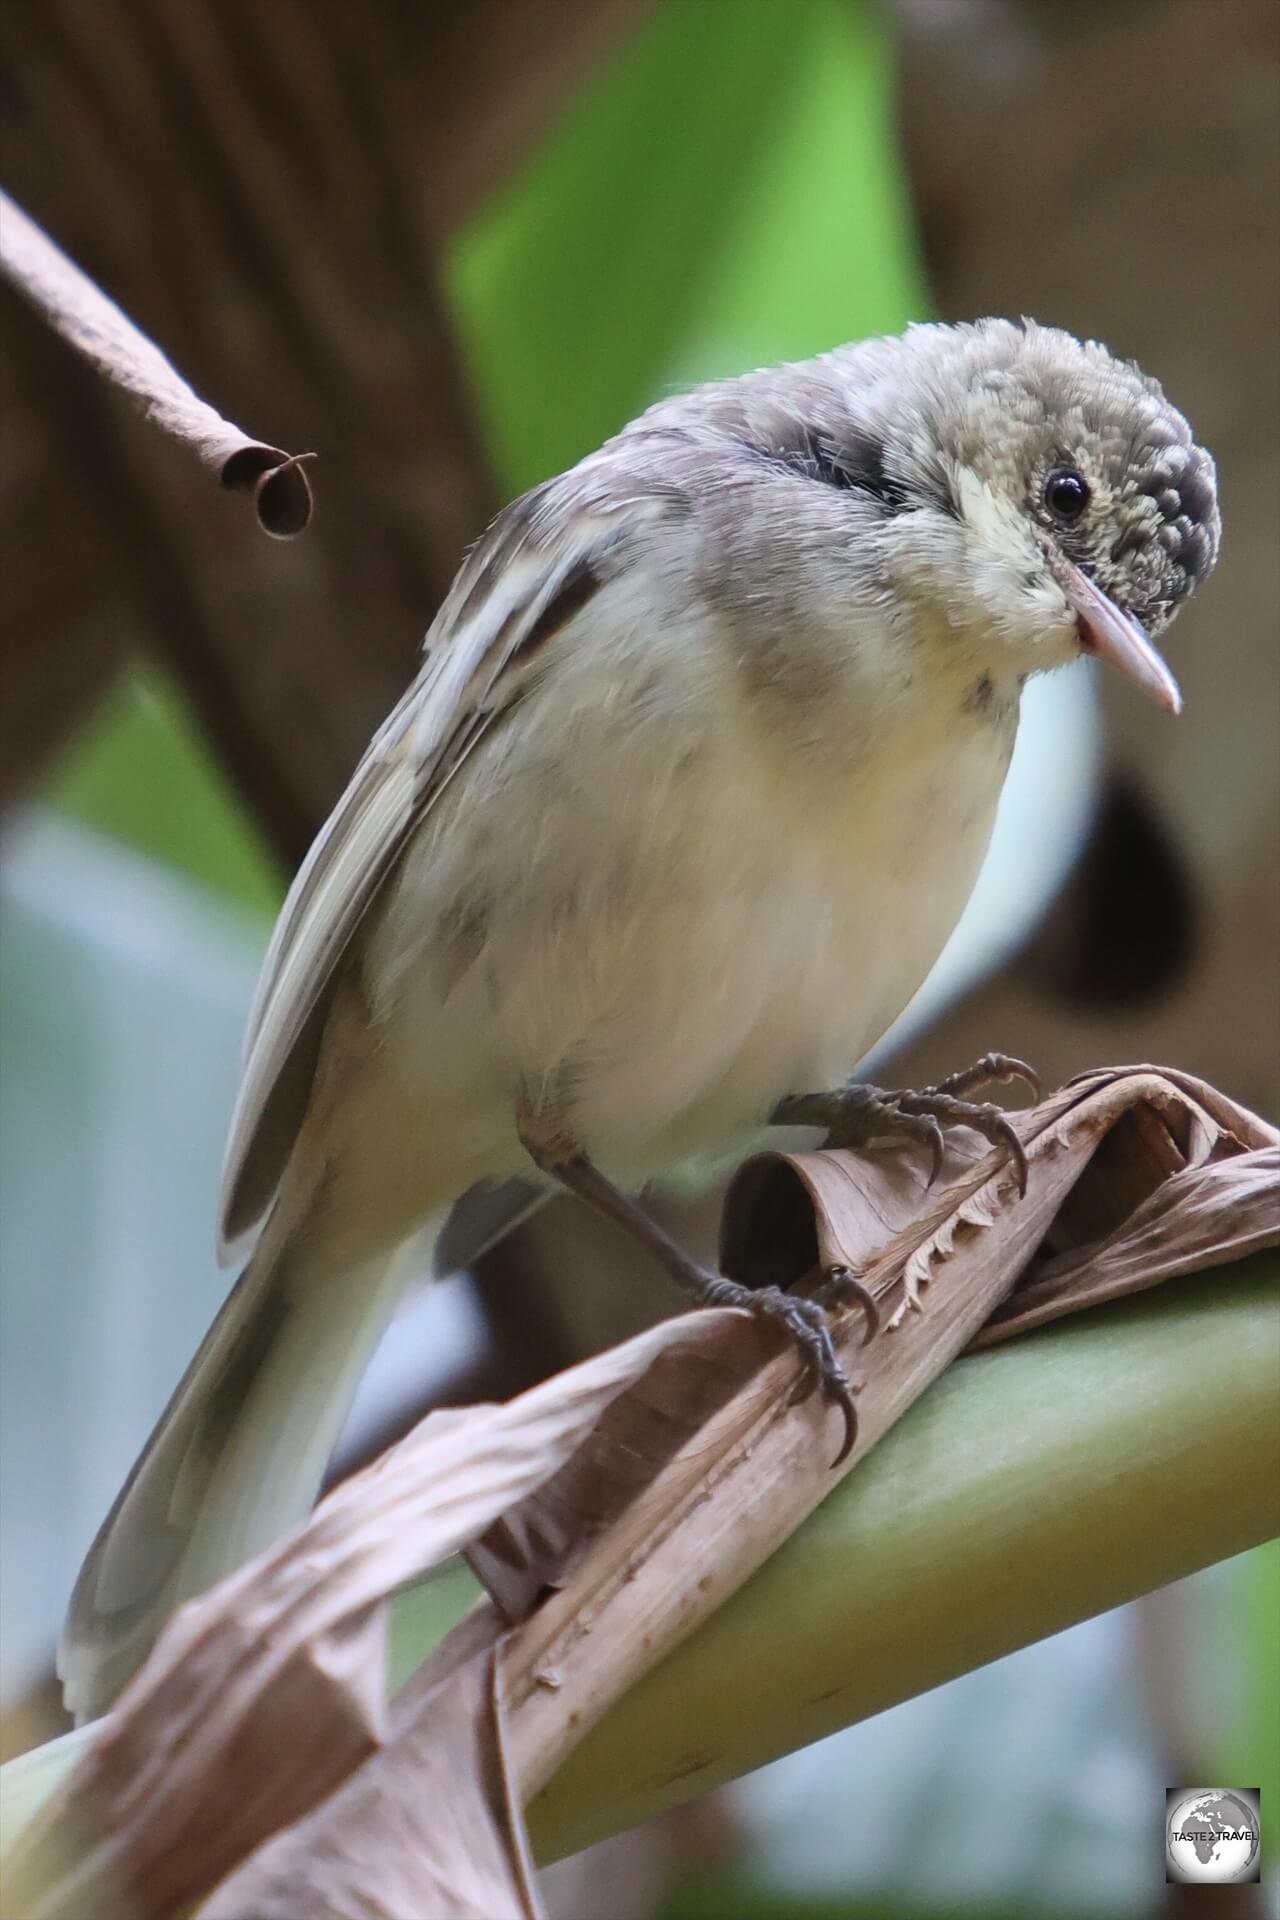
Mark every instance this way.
x=692 y=786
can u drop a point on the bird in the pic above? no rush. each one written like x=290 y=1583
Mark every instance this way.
x=692 y=785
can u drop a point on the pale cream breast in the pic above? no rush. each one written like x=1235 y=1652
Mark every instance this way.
x=701 y=920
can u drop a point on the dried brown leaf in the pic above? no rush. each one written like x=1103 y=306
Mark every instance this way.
x=609 y=1511
x=288 y=1652
x=91 y=323
x=1199 y=1219
x=746 y=1479
x=1180 y=1179
x=428 y=1826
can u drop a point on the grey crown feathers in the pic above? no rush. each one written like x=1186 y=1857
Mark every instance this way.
x=900 y=414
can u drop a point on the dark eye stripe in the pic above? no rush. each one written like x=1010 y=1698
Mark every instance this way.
x=856 y=465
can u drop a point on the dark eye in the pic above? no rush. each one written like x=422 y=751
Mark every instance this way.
x=1066 y=494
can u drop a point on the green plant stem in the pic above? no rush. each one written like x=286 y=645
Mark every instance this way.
x=1031 y=1487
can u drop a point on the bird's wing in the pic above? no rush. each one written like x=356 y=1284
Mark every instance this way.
x=531 y=573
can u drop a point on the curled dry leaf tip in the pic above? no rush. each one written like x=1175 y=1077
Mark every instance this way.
x=90 y=322
x=278 y=482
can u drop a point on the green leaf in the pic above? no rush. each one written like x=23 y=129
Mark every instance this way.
x=726 y=193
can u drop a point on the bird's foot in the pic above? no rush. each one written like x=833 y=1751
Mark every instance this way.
x=856 y=1115
x=805 y=1321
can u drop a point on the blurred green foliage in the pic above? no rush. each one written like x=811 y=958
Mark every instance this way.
x=725 y=194
x=1250 y=1753
x=143 y=772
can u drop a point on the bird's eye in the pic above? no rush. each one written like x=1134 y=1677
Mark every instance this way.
x=1066 y=494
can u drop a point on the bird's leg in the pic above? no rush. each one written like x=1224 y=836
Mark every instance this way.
x=554 y=1150
x=855 y=1115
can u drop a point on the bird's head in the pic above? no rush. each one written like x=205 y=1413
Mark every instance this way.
x=1050 y=498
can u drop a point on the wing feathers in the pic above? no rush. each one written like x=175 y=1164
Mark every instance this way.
x=525 y=581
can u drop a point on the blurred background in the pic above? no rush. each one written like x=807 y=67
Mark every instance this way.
x=452 y=248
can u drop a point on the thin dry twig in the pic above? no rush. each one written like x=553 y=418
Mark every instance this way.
x=609 y=1512
x=91 y=323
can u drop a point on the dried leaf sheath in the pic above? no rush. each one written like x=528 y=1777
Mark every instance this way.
x=693 y=1536
x=650 y=1505
x=1170 y=1189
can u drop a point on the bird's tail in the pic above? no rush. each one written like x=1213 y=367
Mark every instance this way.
x=236 y=1458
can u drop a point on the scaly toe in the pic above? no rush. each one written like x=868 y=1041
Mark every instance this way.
x=806 y=1323
x=992 y=1122
x=993 y=1070
x=913 y=1124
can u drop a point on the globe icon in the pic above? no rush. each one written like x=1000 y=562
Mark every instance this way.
x=1212 y=1836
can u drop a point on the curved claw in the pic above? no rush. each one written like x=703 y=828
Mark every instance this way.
x=914 y=1121
x=849 y=1408
x=1015 y=1069
x=937 y=1148
x=834 y=1382
x=1017 y=1153
x=994 y=1069
x=806 y=1323
x=992 y=1122
x=822 y=1371
x=845 y=1285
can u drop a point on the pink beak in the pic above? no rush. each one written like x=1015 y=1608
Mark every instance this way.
x=1118 y=639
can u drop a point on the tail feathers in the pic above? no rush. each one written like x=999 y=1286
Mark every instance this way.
x=236 y=1458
